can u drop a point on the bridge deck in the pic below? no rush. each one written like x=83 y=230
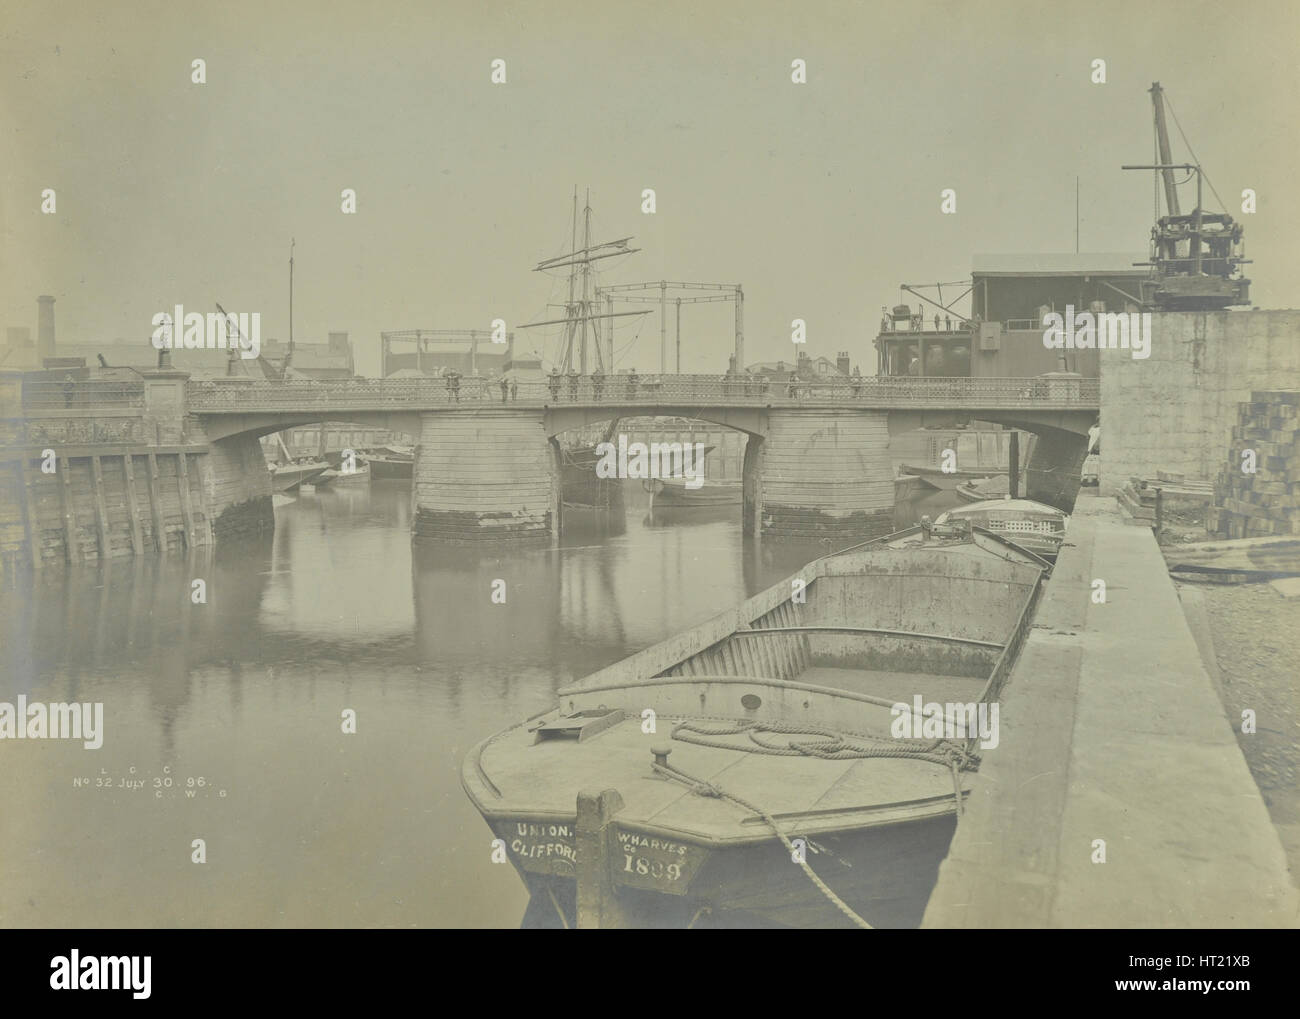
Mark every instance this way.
x=1040 y=393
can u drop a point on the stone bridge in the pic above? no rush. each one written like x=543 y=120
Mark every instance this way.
x=97 y=469
x=487 y=461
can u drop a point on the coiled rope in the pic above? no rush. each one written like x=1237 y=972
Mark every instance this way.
x=829 y=744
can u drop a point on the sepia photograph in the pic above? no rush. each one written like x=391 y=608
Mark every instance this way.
x=679 y=466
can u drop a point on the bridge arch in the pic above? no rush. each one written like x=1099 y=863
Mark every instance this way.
x=753 y=421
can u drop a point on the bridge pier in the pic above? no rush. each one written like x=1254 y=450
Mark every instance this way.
x=820 y=473
x=1056 y=467
x=491 y=475
x=237 y=487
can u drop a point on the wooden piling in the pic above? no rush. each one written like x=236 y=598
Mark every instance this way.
x=31 y=522
x=155 y=506
x=101 y=510
x=1013 y=465
x=64 y=467
x=596 y=853
x=132 y=504
x=205 y=502
x=187 y=507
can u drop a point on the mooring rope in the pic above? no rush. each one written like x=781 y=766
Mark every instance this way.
x=830 y=746
x=702 y=788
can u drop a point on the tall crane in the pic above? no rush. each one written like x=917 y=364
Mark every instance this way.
x=1195 y=258
x=1162 y=141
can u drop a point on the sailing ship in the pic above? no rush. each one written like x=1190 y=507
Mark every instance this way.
x=779 y=719
x=583 y=343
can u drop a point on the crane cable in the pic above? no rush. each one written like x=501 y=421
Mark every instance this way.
x=1195 y=159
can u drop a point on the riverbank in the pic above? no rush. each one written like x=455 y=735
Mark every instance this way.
x=1254 y=659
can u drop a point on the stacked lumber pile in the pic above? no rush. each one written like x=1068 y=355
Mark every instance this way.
x=1266 y=502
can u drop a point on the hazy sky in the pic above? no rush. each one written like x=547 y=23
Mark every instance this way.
x=819 y=198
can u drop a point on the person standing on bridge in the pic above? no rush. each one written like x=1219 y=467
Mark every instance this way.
x=855 y=383
x=505 y=388
x=631 y=383
x=453 y=385
x=573 y=383
x=597 y=381
x=69 y=390
x=553 y=383
x=514 y=389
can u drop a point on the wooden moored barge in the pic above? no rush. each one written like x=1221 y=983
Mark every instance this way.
x=750 y=770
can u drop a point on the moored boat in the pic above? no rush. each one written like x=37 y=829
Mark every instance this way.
x=980 y=489
x=360 y=475
x=779 y=716
x=1034 y=526
x=906 y=486
x=287 y=477
x=677 y=492
x=943 y=480
x=391 y=463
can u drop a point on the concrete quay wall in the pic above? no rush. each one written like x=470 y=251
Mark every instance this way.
x=81 y=486
x=1175 y=410
x=1111 y=730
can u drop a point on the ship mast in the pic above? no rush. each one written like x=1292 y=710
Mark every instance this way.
x=581 y=311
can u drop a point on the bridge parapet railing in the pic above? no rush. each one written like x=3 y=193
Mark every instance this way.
x=85 y=395
x=692 y=390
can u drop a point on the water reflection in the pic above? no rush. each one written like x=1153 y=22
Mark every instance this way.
x=337 y=610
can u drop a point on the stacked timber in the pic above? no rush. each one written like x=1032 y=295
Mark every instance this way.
x=1258 y=492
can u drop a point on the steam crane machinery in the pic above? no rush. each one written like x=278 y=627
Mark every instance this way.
x=1195 y=257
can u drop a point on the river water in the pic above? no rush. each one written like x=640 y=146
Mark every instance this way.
x=223 y=720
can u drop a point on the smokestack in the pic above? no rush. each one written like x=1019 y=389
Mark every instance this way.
x=842 y=363
x=44 y=327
